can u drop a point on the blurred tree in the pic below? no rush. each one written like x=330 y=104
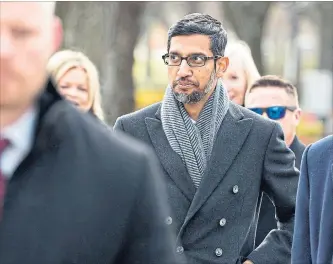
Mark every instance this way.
x=326 y=34
x=321 y=14
x=248 y=20
x=326 y=38
x=107 y=33
x=293 y=61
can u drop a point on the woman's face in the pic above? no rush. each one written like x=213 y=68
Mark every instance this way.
x=73 y=85
x=235 y=81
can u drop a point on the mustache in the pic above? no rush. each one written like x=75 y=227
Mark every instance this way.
x=184 y=81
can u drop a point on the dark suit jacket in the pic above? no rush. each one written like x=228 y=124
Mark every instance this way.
x=267 y=220
x=313 y=237
x=84 y=196
x=217 y=222
x=298 y=148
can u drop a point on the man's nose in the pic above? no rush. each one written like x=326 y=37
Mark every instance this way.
x=184 y=69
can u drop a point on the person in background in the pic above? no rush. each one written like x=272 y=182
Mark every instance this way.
x=241 y=72
x=71 y=191
x=77 y=80
x=217 y=156
x=276 y=99
x=313 y=235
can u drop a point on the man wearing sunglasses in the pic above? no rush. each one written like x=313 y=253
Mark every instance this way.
x=71 y=192
x=217 y=157
x=276 y=99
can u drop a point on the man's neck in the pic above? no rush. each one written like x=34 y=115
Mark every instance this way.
x=194 y=110
x=290 y=140
x=10 y=116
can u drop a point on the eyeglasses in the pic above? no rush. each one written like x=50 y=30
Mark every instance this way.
x=274 y=112
x=192 y=60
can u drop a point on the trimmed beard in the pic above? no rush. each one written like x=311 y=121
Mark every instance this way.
x=195 y=96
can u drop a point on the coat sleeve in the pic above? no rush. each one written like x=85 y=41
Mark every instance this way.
x=150 y=239
x=279 y=182
x=301 y=243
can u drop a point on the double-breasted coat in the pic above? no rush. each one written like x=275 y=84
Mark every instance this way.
x=216 y=223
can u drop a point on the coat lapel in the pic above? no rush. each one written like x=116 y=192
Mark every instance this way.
x=170 y=160
x=229 y=141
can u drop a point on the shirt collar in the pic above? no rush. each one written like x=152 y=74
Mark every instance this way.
x=21 y=133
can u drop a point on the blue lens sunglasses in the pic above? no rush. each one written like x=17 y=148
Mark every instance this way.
x=274 y=112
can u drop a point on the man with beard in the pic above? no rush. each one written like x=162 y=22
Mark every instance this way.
x=218 y=158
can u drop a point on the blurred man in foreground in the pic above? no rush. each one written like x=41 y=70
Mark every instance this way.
x=70 y=192
x=313 y=237
x=276 y=99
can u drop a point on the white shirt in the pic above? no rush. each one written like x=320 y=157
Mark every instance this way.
x=21 y=137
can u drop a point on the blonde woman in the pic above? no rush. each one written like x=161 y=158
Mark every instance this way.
x=77 y=80
x=241 y=72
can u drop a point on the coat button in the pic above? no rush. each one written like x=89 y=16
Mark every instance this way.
x=218 y=252
x=179 y=249
x=168 y=220
x=235 y=189
x=223 y=221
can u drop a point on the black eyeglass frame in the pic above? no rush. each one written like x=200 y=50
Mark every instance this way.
x=206 y=58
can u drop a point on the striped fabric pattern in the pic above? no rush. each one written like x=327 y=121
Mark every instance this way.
x=194 y=142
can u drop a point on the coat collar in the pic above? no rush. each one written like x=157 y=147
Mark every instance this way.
x=48 y=133
x=229 y=141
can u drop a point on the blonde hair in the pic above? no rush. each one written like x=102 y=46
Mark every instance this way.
x=65 y=60
x=240 y=50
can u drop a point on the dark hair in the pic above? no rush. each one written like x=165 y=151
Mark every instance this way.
x=275 y=81
x=203 y=24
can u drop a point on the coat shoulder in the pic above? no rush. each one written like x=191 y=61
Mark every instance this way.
x=321 y=150
x=317 y=161
x=258 y=121
x=133 y=122
x=148 y=111
x=101 y=140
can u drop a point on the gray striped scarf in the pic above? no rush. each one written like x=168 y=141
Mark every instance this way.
x=194 y=142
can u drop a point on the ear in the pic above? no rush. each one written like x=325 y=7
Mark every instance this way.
x=57 y=34
x=221 y=66
x=298 y=115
